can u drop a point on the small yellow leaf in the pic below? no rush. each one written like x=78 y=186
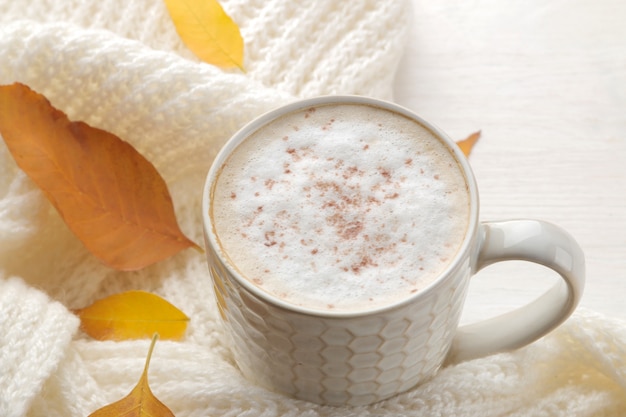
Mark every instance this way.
x=208 y=31
x=132 y=315
x=140 y=402
x=468 y=143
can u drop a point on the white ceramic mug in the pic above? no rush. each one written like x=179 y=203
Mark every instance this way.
x=358 y=358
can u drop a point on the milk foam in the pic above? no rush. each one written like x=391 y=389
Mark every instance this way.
x=341 y=207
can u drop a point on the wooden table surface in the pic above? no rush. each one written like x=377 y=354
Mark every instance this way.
x=545 y=82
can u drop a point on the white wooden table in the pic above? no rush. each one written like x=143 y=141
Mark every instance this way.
x=545 y=82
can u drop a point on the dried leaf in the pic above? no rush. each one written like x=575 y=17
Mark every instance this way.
x=140 y=402
x=208 y=31
x=110 y=196
x=132 y=315
x=468 y=143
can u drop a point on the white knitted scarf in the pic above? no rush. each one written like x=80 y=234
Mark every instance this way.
x=119 y=65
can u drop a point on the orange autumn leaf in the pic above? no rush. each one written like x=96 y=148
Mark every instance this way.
x=140 y=402
x=208 y=31
x=108 y=194
x=468 y=143
x=132 y=315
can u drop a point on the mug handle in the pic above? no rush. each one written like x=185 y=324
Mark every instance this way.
x=534 y=241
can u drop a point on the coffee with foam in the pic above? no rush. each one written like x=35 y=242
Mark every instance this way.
x=341 y=207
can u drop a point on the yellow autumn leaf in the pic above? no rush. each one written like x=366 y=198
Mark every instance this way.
x=110 y=196
x=140 y=402
x=208 y=31
x=132 y=315
x=468 y=143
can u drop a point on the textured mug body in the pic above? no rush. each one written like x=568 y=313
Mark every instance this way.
x=350 y=359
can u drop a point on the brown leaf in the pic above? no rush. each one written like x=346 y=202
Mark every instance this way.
x=132 y=315
x=108 y=194
x=140 y=402
x=468 y=143
x=208 y=31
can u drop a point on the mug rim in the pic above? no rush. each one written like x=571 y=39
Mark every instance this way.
x=299 y=104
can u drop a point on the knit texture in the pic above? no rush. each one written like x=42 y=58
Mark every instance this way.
x=120 y=66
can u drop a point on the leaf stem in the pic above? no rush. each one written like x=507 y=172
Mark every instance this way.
x=152 y=344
